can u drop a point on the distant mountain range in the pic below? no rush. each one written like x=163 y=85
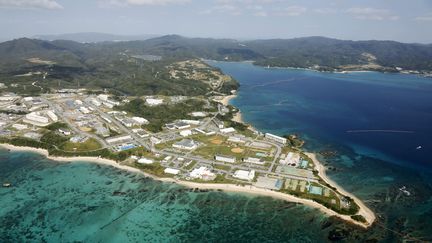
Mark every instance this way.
x=93 y=37
x=309 y=52
x=110 y=64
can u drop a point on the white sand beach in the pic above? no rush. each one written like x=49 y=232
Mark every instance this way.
x=237 y=116
x=366 y=212
x=226 y=99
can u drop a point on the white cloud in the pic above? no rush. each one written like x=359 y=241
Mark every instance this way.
x=261 y=14
x=325 y=10
x=424 y=18
x=224 y=9
x=124 y=3
x=372 y=14
x=255 y=7
x=292 y=11
x=248 y=1
x=46 y=4
x=427 y=17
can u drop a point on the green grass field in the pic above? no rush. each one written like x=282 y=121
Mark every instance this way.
x=89 y=145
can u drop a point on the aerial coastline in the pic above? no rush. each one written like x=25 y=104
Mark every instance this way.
x=237 y=117
x=195 y=141
x=366 y=212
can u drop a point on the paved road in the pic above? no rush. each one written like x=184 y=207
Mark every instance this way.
x=209 y=162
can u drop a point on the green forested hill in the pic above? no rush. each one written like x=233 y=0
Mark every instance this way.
x=306 y=52
x=112 y=66
x=118 y=65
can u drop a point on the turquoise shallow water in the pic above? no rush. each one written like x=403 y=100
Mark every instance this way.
x=69 y=202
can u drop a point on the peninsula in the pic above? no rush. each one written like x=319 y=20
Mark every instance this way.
x=199 y=142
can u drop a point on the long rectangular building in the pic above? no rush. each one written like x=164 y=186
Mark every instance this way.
x=276 y=138
x=119 y=139
x=224 y=158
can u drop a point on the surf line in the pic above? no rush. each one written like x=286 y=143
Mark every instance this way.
x=387 y=131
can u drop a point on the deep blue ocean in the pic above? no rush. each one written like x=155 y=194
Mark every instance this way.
x=387 y=116
x=371 y=122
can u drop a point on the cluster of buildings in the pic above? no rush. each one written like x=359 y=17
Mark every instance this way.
x=104 y=122
x=40 y=118
x=25 y=116
x=127 y=121
x=105 y=100
x=291 y=158
x=182 y=124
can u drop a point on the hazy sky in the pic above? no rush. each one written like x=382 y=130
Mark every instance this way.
x=402 y=20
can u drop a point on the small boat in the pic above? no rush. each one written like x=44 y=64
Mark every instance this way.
x=405 y=191
x=7 y=185
x=419 y=147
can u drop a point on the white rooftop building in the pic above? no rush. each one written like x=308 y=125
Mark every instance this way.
x=36 y=118
x=78 y=102
x=95 y=102
x=235 y=139
x=152 y=101
x=185 y=133
x=19 y=126
x=191 y=122
x=140 y=120
x=224 y=158
x=227 y=130
x=186 y=144
x=10 y=98
x=103 y=97
x=276 y=138
x=198 y=114
x=155 y=140
x=145 y=161
x=202 y=173
x=171 y=171
x=253 y=160
x=52 y=115
x=119 y=139
x=84 y=110
x=244 y=175
x=291 y=158
x=109 y=105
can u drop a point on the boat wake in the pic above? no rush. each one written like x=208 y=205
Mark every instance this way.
x=377 y=130
x=276 y=82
